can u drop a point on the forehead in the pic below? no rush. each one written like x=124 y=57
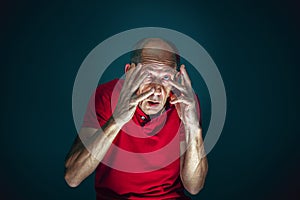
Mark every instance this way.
x=159 y=68
x=158 y=51
x=158 y=56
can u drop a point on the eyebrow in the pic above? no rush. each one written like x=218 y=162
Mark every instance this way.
x=163 y=70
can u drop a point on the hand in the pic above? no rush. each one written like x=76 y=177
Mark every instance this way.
x=184 y=98
x=128 y=99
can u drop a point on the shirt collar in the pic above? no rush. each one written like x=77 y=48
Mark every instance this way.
x=141 y=117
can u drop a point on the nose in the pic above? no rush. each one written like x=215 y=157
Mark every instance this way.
x=157 y=89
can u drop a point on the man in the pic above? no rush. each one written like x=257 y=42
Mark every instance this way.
x=152 y=110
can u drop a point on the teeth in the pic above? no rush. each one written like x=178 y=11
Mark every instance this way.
x=153 y=102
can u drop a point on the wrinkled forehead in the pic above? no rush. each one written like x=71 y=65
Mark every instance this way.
x=159 y=68
x=156 y=50
x=158 y=56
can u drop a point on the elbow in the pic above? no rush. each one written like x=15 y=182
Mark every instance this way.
x=71 y=177
x=71 y=181
x=194 y=186
x=194 y=190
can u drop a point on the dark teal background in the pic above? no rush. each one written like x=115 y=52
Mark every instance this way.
x=255 y=46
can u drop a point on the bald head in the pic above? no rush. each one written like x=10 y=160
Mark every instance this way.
x=155 y=50
x=156 y=43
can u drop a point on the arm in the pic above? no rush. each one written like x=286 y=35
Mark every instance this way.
x=87 y=151
x=193 y=162
x=82 y=161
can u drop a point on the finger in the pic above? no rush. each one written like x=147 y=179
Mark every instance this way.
x=177 y=86
x=137 y=68
x=182 y=82
x=139 y=72
x=177 y=77
x=131 y=69
x=129 y=73
x=142 y=97
x=185 y=77
x=134 y=69
x=138 y=81
x=131 y=78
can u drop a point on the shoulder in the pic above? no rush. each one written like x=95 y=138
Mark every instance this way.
x=108 y=91
x=109 y=87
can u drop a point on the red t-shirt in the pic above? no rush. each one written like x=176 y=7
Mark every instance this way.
x=143 y=161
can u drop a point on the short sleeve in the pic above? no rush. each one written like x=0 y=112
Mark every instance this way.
x=98 y=110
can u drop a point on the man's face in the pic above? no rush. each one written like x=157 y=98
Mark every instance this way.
x=158 y=60
x=159 y=73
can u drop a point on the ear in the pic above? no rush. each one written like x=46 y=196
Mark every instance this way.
x=127 y=67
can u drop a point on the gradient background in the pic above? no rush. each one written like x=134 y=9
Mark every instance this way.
x=255 y=46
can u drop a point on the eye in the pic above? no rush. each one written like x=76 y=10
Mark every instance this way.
x=166 y=77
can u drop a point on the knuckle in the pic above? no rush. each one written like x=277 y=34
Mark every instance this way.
x=132 y=102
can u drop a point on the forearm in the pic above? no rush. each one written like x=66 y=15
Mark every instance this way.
x=194 y=163
x=86 y=155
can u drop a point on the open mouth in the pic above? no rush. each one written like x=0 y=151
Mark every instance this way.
x=153 y=103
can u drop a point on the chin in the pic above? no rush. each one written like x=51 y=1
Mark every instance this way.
x=151 y=111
